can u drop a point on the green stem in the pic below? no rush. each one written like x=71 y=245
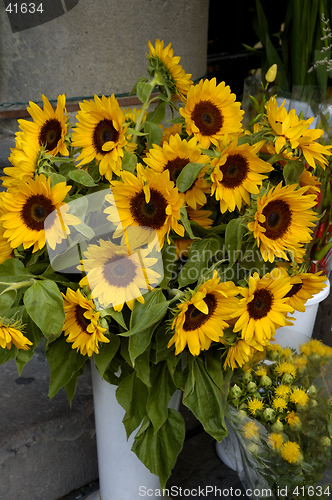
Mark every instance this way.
x=155 y=80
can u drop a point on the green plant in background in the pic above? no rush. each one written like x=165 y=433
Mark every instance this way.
x=303 y=43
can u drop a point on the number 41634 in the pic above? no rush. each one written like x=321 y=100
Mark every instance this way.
x=24 y=8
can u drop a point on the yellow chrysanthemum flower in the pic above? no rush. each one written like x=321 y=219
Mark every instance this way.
x=101 y=134
x=49 y=127
x=290 y=451
x=279 y=403
x=305 y=286
x=263 y=308
x=239 y=354
x=292 y=419
x=162 y=61
x=174 y=156
x=286 y=352
x=255 y=405
x=237 y=174
x=250 y=429
x=149 y=200
x=201 y=319
x=274 y=348
x=261 y=372
x=275 y=440
x=299 y=397
x=9 y=333
x=211 y=111
x=285 y=367
x=282 y=390
x=282 y=221
x=35 y=212
x=116 y=278
x=81 y=325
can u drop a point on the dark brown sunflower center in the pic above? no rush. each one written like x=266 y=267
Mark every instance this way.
x=119 y=271
x=80 y=319
x=235 y=171
x=35 y=211
x=194 y=318
x=104 y=132
x=207 y=118
x=278 y=219
x=175 y=167
x=261 y=304
x=152 y=214
x=50 y=134
x=295 y=288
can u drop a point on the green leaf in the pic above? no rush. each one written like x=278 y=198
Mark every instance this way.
x=64 y=363
x=106 y=353
x=162 y=389
x=233 y=239
x=158 y=114
x=81 y=177
x=292 y=171
x=34 y=334
x=71 y=386
x=154 y=132
x=159 y=451
x=200 y=253
x=116 y=315
x=132 y=395
x=6 y=299
x=129 y=161
x=65 y=168
x=186 y=223
x=203 y=397
x=139 y=310
x=188 y=175
x=168 y=254
x=142 y=366
x=143 y=90
x=44 y=304
x=13 y=271
x=56 y=179
x=151 y=318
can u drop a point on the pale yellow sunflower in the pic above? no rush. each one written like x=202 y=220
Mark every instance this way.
x=49 y=127
x=238 y=354
x=81 y=325
x=9 y=333
x=116 y=278
x=305 y=286
x=174 y=156
x=237 y=174
x=34 y=212
x=162 y=61
x=23 y=158
x=149 y=200
x=263 y=308
x=211 y=111
x=202 y=318
x=282 y=222
x=101 y=134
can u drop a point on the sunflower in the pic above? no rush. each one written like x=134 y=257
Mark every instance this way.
x=24 y=158
x=275 y=440
x=162 y=61
x=101 y=134
x=49 y=127
x=211 y=111
x=282 y=221
x=116 y=278
x=291 y=451
x=262 y=308
x=307 y=179
x=182 y=246
x=306 y=285
x=35 y=212
x=236 y=174
x=9 y=334
x=174 y=156
x=149 y=200
x=201 y=217
x=81 y=325
x=202 y=318
x=255 y=405
x=238 y=354
x=313 y=151
x=5 y=248
x=176 y=128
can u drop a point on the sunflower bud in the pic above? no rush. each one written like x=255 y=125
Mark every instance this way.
x=271 y=73
x=269 y=414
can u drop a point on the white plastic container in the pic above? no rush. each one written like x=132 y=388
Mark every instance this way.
x=301 y=331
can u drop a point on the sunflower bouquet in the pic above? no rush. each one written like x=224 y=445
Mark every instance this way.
x=166 y=243
x=281 y=422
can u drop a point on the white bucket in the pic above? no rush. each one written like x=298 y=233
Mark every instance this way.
x=299 y=333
